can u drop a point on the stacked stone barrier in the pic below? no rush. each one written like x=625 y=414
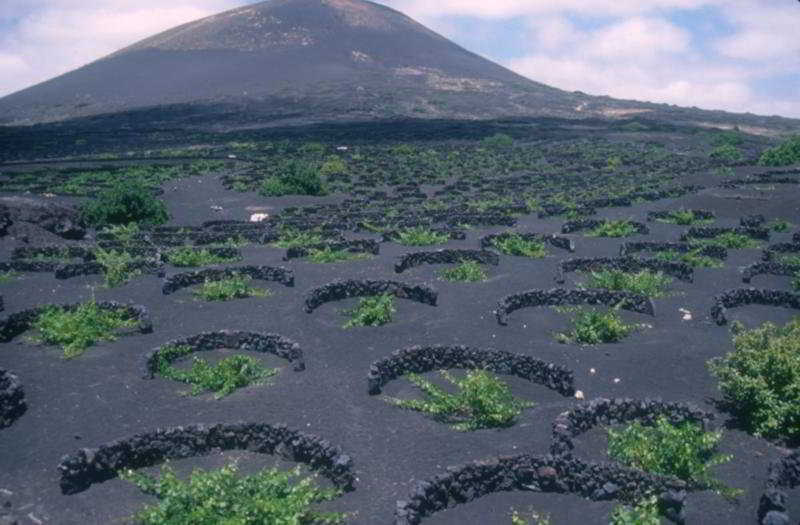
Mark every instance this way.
x=410 y=260
x=19 y=322
x=561 y=297
x=93 y=465
x=538 y=473
x=770 y=253
x=557 y=241
x=70 y=252
x=745 y=296
x=554 y=210
x=679 y=270
x=769 y=268
x=344 y=289
x=179 y=281
x=275 y=344
x=421 y=359
x=12 y=398
x=590 y=224
x=752 y=221
x=783 y=475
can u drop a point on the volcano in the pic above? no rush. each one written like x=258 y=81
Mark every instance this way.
x=285 y=61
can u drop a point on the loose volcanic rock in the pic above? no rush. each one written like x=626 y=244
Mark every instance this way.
x=93 y=465
x=12 y=398
x=783 y=475
x=561 y=297
x=769 y=268
x=55 y=218
x=338 y=290
x=249 y=341
x=178 y=281
x=411 y=260
x=744 y=296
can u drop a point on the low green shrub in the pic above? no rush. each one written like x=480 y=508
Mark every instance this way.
x=297 y=177
x=789 y=259
x=230 y=374
x=233 y=287
x=79 y=329
x=612 y=228
x=643 y=513
x=127 y=201
x=516 y=244
x=786 y=153
x=795 y=282
x=498 y=140
x=116 y=266
x=465 y=272
x=693 y=258
x=645 y=282
x=189 y=256
x=779 y=225
x=372 y=311
x=329 y=255
x=290 y=238
x=421 y=236
x=125 y=234
x=729 y=240
x=727 y=153
x=683 y=217
x=219 y=497
x=7 y=277
x=683 y=450
x=593 y=327
x=482 y=401
x=760 y=379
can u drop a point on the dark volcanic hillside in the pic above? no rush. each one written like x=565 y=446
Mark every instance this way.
x=295 y=61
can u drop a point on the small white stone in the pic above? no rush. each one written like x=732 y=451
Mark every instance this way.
x=592 y=371
x=258 y=217
x=216 y=208
x=616 y=380
x=578 y=394
x=687 y=317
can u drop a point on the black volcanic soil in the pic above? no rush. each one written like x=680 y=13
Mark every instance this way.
x=101 y=396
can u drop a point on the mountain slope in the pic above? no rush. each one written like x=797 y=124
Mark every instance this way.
x=301 y=60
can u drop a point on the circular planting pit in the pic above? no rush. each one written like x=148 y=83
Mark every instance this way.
x=410 y=260
x=556 y=241
x=421 y=359
x=453 y=234
x=67 y=271
x=784 y=474
x=236 y=340
x=627 y=248
x=744 y=296
x=604 y=411
x=703 y=215
x=19 y=322
x=561 y=297
x=338 y=290
x=179 y=281
x=773 y=250
x=223 y=252
x=354 y=246
x=707 y=232
x=12 y=398
x=679 y=270
x=769 y=268
x=590 y=224
x=94 y=465
x=539 y=473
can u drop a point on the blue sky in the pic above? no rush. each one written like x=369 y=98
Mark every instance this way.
x=737 y=55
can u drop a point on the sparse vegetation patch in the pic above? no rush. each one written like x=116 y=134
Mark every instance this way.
x=591 y=327
x=233 y=287
x=729 y=240
x=613 y=228
x=421 y=236
x=330 y=255
x=466 y=272
x=515 y=244
x=221 y=496
x=189 y=256
x=127 y=201
x=76 y=330
x=372 y=311
x=482 y=401
x=645 y=282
